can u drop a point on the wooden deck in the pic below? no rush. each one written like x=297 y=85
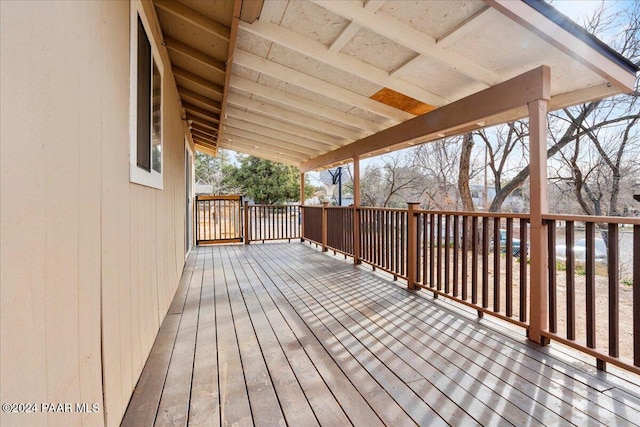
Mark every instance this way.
x=282 y=334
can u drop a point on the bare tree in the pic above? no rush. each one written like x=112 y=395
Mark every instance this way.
x=507 y=145
x=391 y=183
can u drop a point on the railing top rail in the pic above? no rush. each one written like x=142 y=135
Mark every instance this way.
x=478 y=214
x=221 y=197
x=272 y=206
x=377 y=208
x=311 y=206
x=594 y=219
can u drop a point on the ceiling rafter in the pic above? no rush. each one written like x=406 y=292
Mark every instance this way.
x=294 y=130
x=271 y=143
x=182 y=74
x=201 y=112
x=409 y=37
x=468 y=26
x=277 y=134
x=247 y=148
x=319 y=52
x=268 y=8
x=352 y=28
x=211 y=123
x=194 y=54
x=196 y=98
x=289 y=116
x=212 y=133
x=303 y=104
x=195 y=18
x=231 y=130
x=281 y=72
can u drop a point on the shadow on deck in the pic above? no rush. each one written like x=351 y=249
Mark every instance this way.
x=282 y=334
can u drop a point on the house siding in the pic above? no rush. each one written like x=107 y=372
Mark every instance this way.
x=89 y=261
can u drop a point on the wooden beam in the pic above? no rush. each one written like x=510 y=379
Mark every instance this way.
x=282 y=136
x=294 y=130
x=212 y=151
x=539 y=303
x=356 y=181
x=319 y=52
x=211 y=124
x=182 y=74
x=303 y=104
x=203 y=129
x=567 y=42
x=409 y=37
x=471 y=111
x=196 y=56
x=250 y=150
x=273 y=142
x=250 y=10
x=352 y=29
x=196 y=98
x=200 y=112
x=297 y=78
x=192 y=17
x=294 y=152
x=233 y=39
x=268 y=8
x=466 y=27
x=289 y=116
x=196 y=133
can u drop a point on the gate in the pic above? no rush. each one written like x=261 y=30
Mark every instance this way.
x=218 y=219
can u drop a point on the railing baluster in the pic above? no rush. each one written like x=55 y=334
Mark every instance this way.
x=485 y=263
x=524 y=238
x=447 y=261
x=465 y=254
x=496 y=265
x=553 y=294
x=571 y=280
x=474 y=260
x=456 y=248
x=439 y=253
x=636 y=295
x=614 y=280
x=590 y=285
x=432 y=242
x=509 y=269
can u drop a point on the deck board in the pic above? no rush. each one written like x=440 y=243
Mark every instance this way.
x=282 y=334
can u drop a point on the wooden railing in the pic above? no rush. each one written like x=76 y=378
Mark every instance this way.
x=482 y=260
x=477 y=259
x=218 y=219
x=271 y=222
x=594 y=286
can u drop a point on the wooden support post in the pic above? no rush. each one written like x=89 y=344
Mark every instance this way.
x=247 y=236
x=412 y=246
x=356 y=212
x=301 y=212
x=324 y=226
x=539 y=308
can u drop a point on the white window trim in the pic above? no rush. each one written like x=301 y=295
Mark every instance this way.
x=138 y=175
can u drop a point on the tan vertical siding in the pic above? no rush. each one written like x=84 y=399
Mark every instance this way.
x=81 y=247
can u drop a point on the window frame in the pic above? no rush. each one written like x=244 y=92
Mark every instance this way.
x=137 y=174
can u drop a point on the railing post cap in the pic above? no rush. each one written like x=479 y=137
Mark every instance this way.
x=325 y=203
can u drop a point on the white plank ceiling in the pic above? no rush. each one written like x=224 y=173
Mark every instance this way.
x=308 y=77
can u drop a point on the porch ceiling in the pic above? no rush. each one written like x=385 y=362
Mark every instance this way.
x=308 y=78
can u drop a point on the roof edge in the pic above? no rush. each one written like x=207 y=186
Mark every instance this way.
x=563 y=21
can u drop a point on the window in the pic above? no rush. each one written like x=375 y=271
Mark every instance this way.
x=146 y=109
